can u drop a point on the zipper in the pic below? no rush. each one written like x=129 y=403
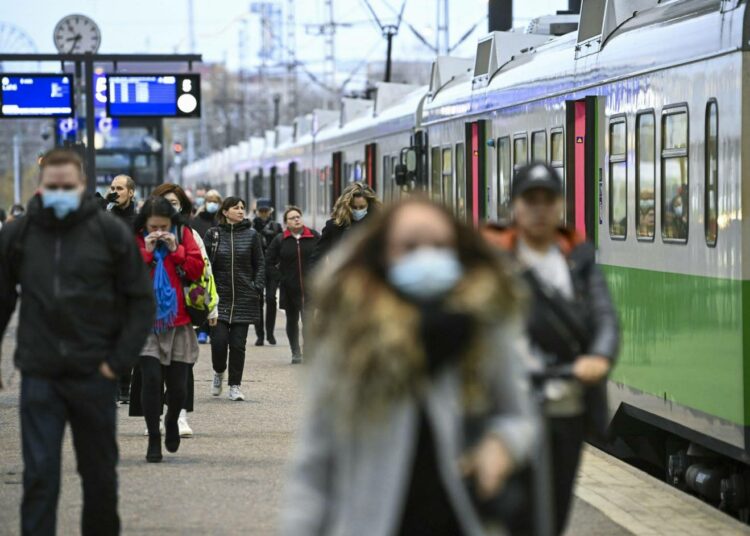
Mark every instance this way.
x=56 y=282
x=299 y=271
x=231 y=242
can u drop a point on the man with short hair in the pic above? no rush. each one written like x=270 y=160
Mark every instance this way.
x=572 y=320
x=121 y=199
x=268 y=229
x=86 y=311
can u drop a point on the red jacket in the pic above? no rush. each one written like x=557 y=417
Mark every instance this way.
x=188 y=256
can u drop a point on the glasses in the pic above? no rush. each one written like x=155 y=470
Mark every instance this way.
x=294 y=217
x=63 y=187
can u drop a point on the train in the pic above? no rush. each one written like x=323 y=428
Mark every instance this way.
x=641 y=110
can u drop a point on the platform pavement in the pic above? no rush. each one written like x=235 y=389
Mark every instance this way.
x=228 y=479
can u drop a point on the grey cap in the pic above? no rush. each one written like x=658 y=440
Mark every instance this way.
x=536 y=175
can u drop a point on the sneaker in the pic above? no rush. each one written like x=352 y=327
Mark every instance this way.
x=161 y=427
x=202 y=338
x=296 y=359
x=216 y=386
x=235 y=394
x=185 y=430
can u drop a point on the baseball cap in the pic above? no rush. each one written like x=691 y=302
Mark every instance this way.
x=263 y=202
x=536 y=175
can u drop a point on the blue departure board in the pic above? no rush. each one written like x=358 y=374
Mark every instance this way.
x=36 y=95
x=162 y=95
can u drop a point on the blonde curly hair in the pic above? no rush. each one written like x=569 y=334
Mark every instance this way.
x=342 y=210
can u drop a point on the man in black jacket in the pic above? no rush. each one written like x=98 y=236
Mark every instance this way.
x=572 y=320
x=267 y=229
x=86 y=311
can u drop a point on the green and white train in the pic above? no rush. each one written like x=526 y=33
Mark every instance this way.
x=642 y=110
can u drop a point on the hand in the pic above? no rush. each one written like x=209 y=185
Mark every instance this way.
x=490 y=464
x=170 y=240
x=106 y=371
x=151 y=240
x=213 y=321
x=591 y=369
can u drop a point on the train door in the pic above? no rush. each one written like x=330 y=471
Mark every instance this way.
x=293 y=191
x=371 y=159
x=336 y=177
x=274 y=180
x=476 y=172
x=582 y=189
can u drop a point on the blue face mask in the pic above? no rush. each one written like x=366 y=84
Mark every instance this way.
x=200 y=201
x=212 y=208
x=359 y=214
x=62 y=202
x=426 y=273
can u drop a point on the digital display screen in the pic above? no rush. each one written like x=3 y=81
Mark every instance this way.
x=36 y=95
x=163 y=95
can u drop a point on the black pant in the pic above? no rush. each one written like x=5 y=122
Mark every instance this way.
x=124 y=382
x=271 y=307
x=88 y=403
x=566 y=439
x=154 y=376
x=234 y=337
x=293 y=315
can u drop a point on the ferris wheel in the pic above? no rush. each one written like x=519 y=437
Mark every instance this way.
x=14 y=40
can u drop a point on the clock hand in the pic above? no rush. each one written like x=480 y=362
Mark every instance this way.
x=74 y=38
x=75 y=42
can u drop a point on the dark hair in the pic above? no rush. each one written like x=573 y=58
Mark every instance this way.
x=228 y=203
x=155 y=206
x=162 y=190
x=291 y=208
x=61 y=157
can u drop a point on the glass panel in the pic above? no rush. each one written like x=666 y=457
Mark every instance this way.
x=557 y=147
x=503 y=178
x=675 y=191
x=617 y=142
x=539 y=146
x=618 y=206
x=520 y=152
x=394 y=188
x=646 y=176
x=435 y=173
x=386 y=177
x=460 y=182
x=675 y=133
x=448 y=177
x=712 y=171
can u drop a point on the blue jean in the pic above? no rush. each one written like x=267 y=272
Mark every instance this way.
x=88 y=403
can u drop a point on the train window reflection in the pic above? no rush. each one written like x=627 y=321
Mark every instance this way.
x=447 y=177
x=674 y=176
x=712 y=173
x=618 y=179
x=539 y=146
x=557 y=153
x=645 y=175
x=520 y=151
x=435 y=173
x=460 y=182
x=503 y=178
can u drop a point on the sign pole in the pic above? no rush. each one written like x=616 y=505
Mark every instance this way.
x=16 y=169
x=90 y=127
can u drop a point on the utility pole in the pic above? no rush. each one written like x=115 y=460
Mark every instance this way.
x=330 y=42
x=291 y=58
x=191 y=27
x=442 y=35
x=16 y=169
x=242 y=56
x=500 y=15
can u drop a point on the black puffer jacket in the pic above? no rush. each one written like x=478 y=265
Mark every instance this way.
x=238 y=266
x=87 y=296
x=289 y=259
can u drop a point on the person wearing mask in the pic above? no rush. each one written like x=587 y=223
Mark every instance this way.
x=417 y=404
x=167 y=247
x=87 y=308
x=288 y=259
x=572 y=320
x=236 y=255
x=355 y=206
x=199 y=200
x=208 y=215
x=268 y=229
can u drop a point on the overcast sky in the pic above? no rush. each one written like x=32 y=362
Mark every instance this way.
x=162 y=25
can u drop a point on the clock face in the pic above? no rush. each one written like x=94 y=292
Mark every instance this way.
x=77 y=34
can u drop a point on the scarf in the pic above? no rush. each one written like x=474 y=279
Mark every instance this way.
x=166 y=297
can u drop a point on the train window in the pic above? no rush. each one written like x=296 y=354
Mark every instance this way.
x=503 y=178
x=645 y=175
x=394 y=188
x=712 y=173
x=520 y=151
x=674 y=175
x=435 y=174
x=386 y=177
x=447 y=170
x=460 y=182
x=618 y=178
x=557 y=153
x=539 y=146
x=359 y=173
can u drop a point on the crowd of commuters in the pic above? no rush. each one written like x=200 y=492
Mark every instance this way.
x=422 y=338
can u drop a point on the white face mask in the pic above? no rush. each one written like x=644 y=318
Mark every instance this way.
x=426 y=273
x=212 y=207
x=359 y=214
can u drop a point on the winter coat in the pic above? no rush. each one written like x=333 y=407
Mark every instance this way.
x=127 y=214
x=591 y=298
x=268 y=230
x=332 y=235
x=238 y=265
x=86 y=293
x=289 y=258
x=341 y=482
x=188 y=257
x=203 y=221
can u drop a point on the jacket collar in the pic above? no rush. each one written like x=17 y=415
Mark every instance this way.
x=306 y=233
x=244 y=224
x=506 y=238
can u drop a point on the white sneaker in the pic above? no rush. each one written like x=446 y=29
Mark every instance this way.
x=161 y=427
x=216 y=387
x=185 y=430
x=235 y=393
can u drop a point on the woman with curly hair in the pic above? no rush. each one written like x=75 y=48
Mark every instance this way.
x=355 y=206
x=416 y=366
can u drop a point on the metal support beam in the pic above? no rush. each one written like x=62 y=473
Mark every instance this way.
x=90 y=128
x=574 y=6
x=500 y=15
x=103 y=58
